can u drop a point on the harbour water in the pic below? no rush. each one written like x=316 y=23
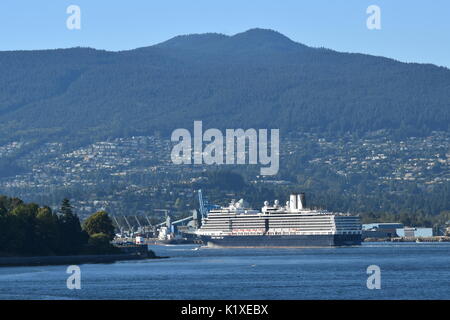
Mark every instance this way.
x=408 y=271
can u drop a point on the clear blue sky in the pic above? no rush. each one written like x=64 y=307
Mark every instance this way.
x=412 y=30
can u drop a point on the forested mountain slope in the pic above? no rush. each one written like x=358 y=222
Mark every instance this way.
x=258 y=78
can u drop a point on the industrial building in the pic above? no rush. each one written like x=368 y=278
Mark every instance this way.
x=381 y=230
x=393 y=230
x=411 y=232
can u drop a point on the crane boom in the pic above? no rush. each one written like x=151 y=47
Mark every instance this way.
x=139 y=224
x=117 y=223
x=201 y=203
x=128 y=223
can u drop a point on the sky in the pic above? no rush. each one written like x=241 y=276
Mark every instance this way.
x=411 y=30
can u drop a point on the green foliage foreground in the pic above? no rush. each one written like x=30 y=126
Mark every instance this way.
x=28 y=229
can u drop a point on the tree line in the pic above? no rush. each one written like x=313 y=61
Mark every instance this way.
x=27 y=229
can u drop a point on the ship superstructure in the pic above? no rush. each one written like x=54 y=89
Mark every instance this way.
x=276 y=225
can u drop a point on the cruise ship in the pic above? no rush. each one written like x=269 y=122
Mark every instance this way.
x=293 y=225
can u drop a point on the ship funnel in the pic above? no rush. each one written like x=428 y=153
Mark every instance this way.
x=301 y=201
x=293 y=201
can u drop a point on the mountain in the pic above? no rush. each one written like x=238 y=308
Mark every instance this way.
x=258 y=78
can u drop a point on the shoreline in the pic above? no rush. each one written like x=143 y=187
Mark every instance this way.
x=409 y=239
x=73 y=259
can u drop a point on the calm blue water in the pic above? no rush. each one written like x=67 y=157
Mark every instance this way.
x=408 y=271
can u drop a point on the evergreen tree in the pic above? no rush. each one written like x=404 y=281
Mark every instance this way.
x=72 y=237
x=66 y=207
x=47 y=231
